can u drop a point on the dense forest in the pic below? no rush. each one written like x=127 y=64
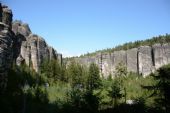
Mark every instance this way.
x=149 y=42
x=75 y=88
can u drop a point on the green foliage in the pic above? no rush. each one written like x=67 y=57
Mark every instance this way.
x=162 y=88
x=93 y=79
x=77 y=88
x=53 y=70
x=121 y=70
x=75 y=73
x=115 y=91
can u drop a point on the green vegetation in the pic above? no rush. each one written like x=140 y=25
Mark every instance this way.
x=159 y=39
x=79 y=89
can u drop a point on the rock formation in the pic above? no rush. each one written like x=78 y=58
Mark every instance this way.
x=145 y=60
x=132 y=60
x=18 y=45
x=6 y=44
x=32 y=48
x=142 y=60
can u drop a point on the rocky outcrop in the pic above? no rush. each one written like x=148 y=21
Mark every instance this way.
x=18 y=44
x=142 y=60
x=21 y=28
x=132 y=60
x=33 y=48
x=145 y=60
x=161 y=54
x=6 y=15
x=6 y=45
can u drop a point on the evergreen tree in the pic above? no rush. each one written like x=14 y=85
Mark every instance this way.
x=162 y=88
x=75 y=73
x=115 y=92
x=93 y=80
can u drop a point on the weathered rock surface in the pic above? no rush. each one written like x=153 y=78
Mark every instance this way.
x=21 y=28
x=145 y=61
x=142 y=60
x=34 y=50
x=6 y=45
x=120 y=57
x=132 y=60
x=106 y=64
x=6 y=16
x=17 y=43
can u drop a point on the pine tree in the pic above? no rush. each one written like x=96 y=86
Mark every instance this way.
x=93 y=80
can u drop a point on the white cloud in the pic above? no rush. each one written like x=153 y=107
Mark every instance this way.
x=66 y=53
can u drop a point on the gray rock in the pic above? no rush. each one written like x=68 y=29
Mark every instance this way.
x=59 y=57
x=6 y=45
x=0 y=12
x=119 y=57
x=159 y=55
x=145 y=60
x=106 y=64
x=132 y=63
x=34 y=50
x=21 y=28
x=6 y=54
x=7 y=16
x=166 y=49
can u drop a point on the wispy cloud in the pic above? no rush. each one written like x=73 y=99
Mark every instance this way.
x=66 y=53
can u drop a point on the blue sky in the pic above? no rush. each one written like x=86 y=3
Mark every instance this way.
x=74 y=27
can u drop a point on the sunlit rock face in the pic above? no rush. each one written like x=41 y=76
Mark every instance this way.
x=34 y=50
x=31 y=48
x=161 y=54
x=142 y=60
x=19 y=45
x=132 y=60
x=21 y=28
x=145 y=60
x=6 y=45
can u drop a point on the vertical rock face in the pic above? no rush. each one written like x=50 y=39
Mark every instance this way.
x=166 y=48
x=145 y=60
x=0 y=12
x=18 y=44
x=6 y=45
x=142 y=60
x=160 y=58
x=161 y=54
x=34 y=50
x=132 y=60
x=120 y=57
x=106 y=64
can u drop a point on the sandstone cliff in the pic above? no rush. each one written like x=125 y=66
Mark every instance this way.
x=31 y=48
x=6 y=44
x=142 y=60
x=19 y=45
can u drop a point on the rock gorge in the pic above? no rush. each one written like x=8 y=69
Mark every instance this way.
x=18 y=45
